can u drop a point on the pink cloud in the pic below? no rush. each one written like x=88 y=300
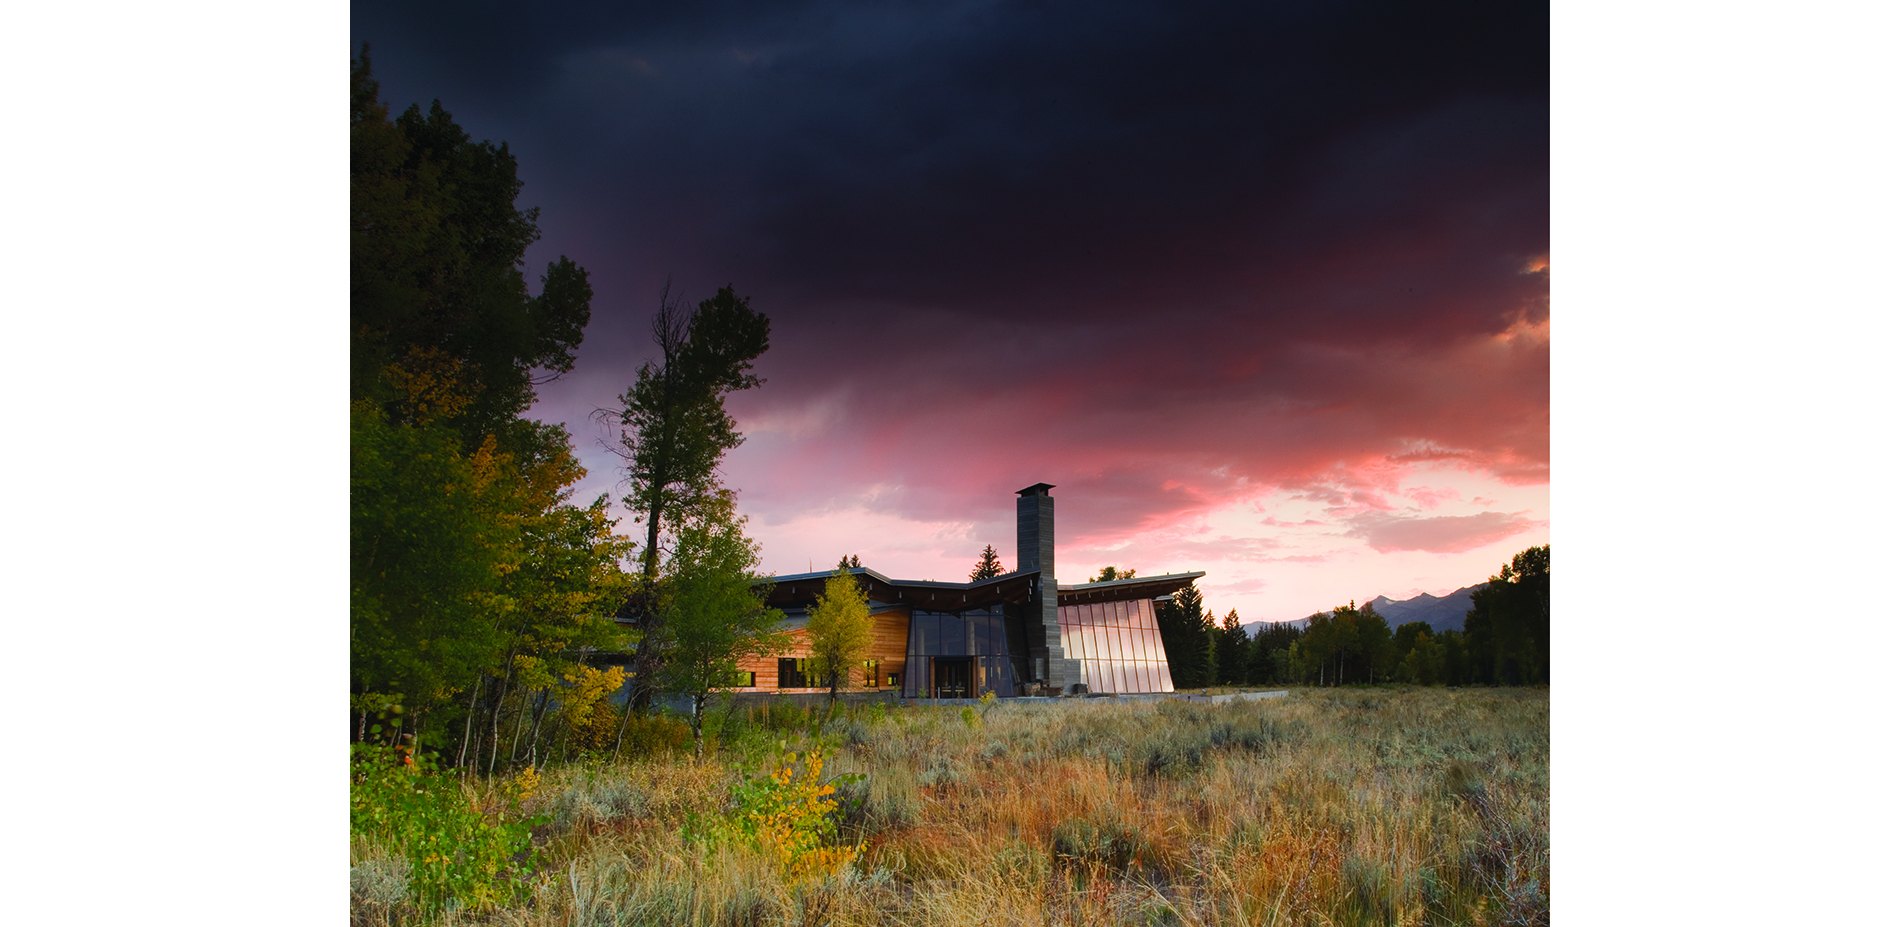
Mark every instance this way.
x=1446 y=534
x=1430 y=498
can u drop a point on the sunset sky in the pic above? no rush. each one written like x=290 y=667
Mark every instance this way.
x=1261 y=289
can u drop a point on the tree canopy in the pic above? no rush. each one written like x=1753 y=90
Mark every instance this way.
x=712 y=599
x=436 y=285
x=473 y=576
x=675 y=431
x=1185 y=624
x=1507 y=630
x=988 y=565
x=839 y=631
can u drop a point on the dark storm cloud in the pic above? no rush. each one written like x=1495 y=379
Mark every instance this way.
x=1153 y=254
x=1004 y=158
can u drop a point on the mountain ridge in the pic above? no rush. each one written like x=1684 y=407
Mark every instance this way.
x=1442 y=613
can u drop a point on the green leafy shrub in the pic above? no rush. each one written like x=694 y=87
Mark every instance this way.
x=458 y=855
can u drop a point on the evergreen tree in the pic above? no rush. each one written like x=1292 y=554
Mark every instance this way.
x=1184 y=623
x=1507 y=630
x=1231 y=652
x=1270 y=656
x=987 y=565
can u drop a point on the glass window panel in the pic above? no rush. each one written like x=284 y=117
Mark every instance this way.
x=1150 y=647
x=1105 y=671
x=1119 y=611
x=1101 y=643
x=1148 y=681
x=1095 y=614
x=1126 y=646
x=1121 y=674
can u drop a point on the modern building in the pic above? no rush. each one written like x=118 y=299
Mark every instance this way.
x=1015 y=634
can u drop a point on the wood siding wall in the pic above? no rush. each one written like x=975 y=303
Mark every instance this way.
x=890 y=633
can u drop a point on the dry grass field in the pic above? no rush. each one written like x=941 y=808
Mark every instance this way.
x=1328 y=807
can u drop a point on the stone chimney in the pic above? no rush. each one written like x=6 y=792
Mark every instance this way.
x=1036 y=550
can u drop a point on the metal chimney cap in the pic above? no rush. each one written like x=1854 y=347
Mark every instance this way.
x=1040 y=489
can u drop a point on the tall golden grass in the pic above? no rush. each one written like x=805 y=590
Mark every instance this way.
x=1328 y=807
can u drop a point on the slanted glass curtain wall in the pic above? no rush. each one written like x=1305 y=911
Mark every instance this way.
x=957 y=654
x=1119 y=645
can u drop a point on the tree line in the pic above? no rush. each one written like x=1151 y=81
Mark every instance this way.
x=1505 y=640
x=493 y=617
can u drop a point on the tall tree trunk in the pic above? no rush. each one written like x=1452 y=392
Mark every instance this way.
x=514 y=743
x=626 y=715
x=494 y=720
x=468 y=726
x=534 y=734
x=699 y=727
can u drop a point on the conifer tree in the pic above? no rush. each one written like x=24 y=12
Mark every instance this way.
x=1184 y=624
x=988 y=565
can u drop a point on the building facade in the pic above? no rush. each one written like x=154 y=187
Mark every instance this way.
x=1020 y=633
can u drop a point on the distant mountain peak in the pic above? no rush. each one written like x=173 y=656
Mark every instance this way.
x=1443 y=613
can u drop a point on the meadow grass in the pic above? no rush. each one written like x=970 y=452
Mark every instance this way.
x=1328 y=807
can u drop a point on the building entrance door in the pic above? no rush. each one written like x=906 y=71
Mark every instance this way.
x=952 y=677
